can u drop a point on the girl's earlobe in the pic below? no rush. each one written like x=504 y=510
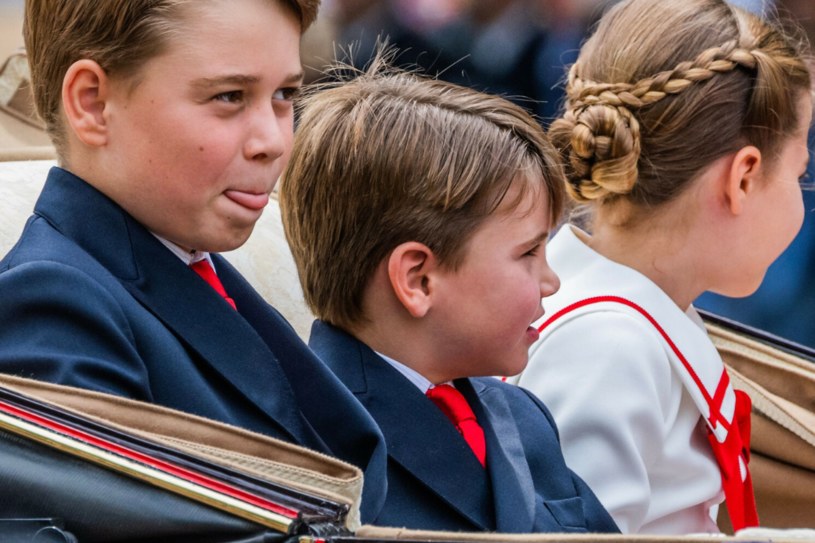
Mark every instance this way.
x=84 y=95
x=742 y=176
x=409 y=266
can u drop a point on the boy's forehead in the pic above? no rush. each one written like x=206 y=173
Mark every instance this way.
x=238 y=42
x=216 y=12
x=526 y=192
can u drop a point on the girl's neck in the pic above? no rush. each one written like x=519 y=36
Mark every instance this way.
x=660 y=249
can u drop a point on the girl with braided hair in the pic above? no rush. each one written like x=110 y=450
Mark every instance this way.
x=684 y=137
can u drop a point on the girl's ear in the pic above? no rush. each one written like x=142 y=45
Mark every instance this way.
x=85 y=90
x=409 y=267
x=742 y=176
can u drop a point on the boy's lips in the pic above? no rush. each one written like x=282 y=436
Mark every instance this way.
x=532 y=330
x=532 y=333
x=249 y=200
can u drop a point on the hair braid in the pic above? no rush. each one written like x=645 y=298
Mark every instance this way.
x=601 y=131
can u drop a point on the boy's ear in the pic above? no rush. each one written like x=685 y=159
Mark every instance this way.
x=408 y=268
x=84 y=93
x=742 y=177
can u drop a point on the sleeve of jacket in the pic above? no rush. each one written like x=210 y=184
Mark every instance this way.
x=59 y=324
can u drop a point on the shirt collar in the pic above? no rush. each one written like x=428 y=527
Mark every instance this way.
x=188 y=257
x=421 y=382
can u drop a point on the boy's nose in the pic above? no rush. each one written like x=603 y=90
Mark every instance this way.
x=550 y=282
x=267 y=136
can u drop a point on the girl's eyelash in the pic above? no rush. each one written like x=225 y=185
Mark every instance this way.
x=806 y=181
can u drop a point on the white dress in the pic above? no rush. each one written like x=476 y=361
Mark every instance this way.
x=631 y=414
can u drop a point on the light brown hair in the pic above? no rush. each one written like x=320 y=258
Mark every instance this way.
x=120 y=35
x=663 y=88
x=390 y=157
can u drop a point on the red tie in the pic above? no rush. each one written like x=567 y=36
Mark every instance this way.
x=455 y=406
x=732 y=456
x=204 y=269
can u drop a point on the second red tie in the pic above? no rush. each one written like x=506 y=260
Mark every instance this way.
x=455 y=406
x=204 y=269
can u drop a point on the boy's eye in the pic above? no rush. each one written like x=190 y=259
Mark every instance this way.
x=230 y=97
x=288 y=93
x=533 y=251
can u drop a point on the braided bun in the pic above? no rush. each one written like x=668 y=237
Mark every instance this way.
x=603 y=135
x=640 y=120
x=604 y=143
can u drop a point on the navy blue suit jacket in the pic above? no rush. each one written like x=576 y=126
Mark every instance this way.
x=91 y=299
x=435 y=481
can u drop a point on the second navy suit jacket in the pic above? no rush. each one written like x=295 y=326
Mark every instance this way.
x=90 y=298
x=435 y=481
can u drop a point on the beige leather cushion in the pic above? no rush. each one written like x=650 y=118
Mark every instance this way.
x=265 y=260
x=753 y=535
x=258 y=455
x=782 y=445
x=22 y=134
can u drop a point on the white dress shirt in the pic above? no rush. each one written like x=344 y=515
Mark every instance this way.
x=187 y=257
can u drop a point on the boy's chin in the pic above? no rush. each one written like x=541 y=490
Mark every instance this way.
x=512 y=369
x=223 y=244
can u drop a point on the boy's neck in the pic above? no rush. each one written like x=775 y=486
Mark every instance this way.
x=420 y=381
x=388 y=329
x=405 y=347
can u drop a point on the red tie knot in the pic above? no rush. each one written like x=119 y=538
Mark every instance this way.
x=454 y=405
x=204 y=269
x=451 y=402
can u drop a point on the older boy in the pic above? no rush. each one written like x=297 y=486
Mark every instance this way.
x=172 y=120
x=417 y=212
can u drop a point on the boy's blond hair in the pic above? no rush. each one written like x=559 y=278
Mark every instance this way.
x=390 y=157
x=120 y=35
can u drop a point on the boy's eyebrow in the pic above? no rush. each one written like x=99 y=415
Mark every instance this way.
x=240 y=79
x=540 y=238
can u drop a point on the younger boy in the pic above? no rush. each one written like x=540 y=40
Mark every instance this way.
x=172 y=120
x=417 y=212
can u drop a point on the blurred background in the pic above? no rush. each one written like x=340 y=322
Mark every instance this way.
x=11 y=16
x=520 y=49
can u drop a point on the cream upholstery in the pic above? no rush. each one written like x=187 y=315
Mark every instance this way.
x=265 y=260
x=22 y=133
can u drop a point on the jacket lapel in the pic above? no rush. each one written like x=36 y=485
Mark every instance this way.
x=191 y=308
x=512 y=485
x=418 y=435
